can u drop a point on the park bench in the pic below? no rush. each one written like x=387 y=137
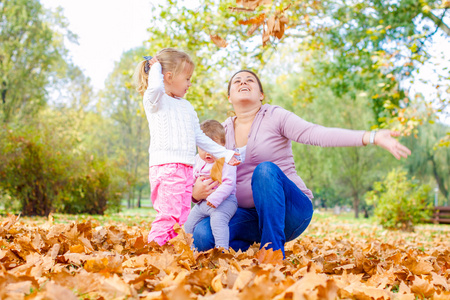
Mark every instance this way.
x=441 y=215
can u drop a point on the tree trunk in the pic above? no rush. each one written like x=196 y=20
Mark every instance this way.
x=129 y=200
x=4 y=93
x=140 y=195
x=356 y=204
x=439 y=179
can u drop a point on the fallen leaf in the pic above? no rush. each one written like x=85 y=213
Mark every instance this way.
x=268 y=256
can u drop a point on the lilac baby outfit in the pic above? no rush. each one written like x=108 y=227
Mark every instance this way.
x=223 y=198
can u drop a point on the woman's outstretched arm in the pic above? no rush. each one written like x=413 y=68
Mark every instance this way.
x=385 y=139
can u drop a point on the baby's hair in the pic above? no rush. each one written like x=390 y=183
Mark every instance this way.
x=172 y=60
x=214 y=130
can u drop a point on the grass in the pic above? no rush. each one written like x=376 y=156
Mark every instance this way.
x=344 y=224
x=130 y=217
x=343 y=217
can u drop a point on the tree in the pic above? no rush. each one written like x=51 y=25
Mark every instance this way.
x=31 y=53
x=428 y=162
x=379 y=41
x=121 y=102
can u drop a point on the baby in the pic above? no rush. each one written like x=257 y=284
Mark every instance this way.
x=221 y=205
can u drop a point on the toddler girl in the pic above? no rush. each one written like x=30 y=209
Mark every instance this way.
x=174 y=133
x=221 y=205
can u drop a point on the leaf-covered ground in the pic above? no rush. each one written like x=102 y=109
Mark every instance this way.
x=108 y=259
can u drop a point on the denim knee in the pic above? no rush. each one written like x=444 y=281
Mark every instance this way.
x=203 y=238
x=264 y=171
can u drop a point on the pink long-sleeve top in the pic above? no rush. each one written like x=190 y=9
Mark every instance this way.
x=228 y=186
x=270 y=138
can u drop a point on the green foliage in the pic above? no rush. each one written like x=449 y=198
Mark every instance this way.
x=177 y=25
x=91 y=192
x=400 y=203
x=429 y=162
x=46 y=172
x=31 y=171
x=363 y=49
x=32 y=52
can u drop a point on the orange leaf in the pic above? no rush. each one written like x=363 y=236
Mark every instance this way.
x=139 y=243
x=252 y=29
x=256 y=20
x=216 y=170
x=220 y=42
x=77 y=248
x=268 y=256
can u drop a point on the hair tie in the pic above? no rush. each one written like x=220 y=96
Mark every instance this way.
x=147 y=65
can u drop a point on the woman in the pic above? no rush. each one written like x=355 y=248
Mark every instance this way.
x=274 y=203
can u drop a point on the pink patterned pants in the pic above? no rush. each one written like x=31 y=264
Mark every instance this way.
x=171 y=186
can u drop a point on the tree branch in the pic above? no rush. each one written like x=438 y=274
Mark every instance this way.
x=439 y=21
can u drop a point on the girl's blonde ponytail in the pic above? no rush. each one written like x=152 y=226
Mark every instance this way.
x=172 y=60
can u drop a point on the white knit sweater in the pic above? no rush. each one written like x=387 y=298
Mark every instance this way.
x=174 y=126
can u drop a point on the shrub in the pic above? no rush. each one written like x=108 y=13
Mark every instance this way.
x=400 y=203
x=31 y=172
x=44 y=175
x=91 y=192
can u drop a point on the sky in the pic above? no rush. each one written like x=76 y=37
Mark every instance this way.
x=107 y=28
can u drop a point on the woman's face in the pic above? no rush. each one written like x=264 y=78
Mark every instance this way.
x=244 y=87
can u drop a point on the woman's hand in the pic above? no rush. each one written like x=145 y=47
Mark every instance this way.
x=385 y=139
x=203 y=187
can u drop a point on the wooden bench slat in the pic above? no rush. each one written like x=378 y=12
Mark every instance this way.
x=441 y=221
x=441 y=215
x=442 y=208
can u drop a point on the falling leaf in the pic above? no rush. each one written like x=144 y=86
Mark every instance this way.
x=255 y=20
x=252 y=4
x=240 y=9
x=221 y=43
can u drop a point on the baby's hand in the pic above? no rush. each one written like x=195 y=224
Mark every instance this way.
x=210 y=204
x=234 y=161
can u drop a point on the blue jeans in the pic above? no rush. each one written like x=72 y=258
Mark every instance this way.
x=282 y=212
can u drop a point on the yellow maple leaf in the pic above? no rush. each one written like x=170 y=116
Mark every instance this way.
x=216 y=170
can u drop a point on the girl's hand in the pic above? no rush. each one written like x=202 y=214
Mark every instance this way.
x=203 y=187
x=210 y=204
x=152 y=61
x=385 y=139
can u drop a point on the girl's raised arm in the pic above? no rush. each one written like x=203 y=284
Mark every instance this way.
x=155 y=89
